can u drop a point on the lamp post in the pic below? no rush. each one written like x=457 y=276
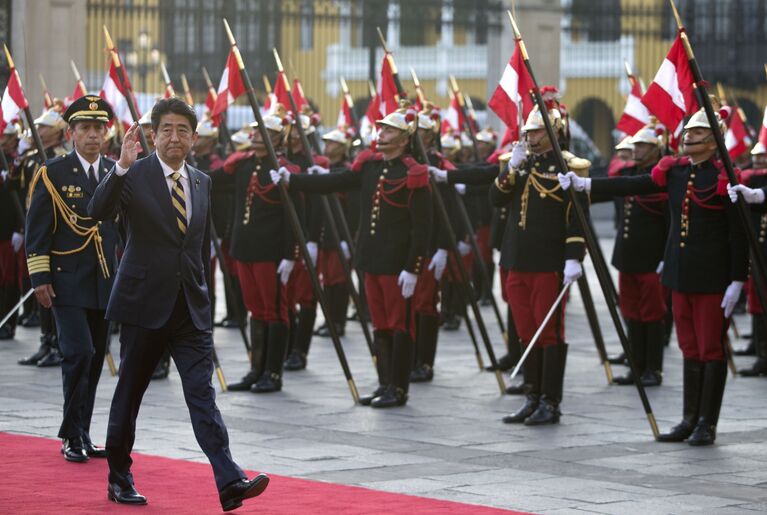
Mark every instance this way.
x=144 y=58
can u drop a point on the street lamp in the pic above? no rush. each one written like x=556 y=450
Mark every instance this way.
x=146 y=57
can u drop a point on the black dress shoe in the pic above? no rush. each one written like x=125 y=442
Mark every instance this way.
x=245 y=383
x=7 y=332
x=52 y=359
x=124 y=495
x=515 y=389
x=161 y=371
x=547 y=413
x=267 y=384
x=73 y=450
x=229 y=323
x=620 y=359
x=33 y=320
x=296 y=361
x=422 y=374
x=748 y=350
x=678 y=433
x=703 y=434
x=759 y=368
x=324 y=331
x=650 y=378
x=365 y=400
x=628 y=379
x=43 y=351
x=391 y=398
x=505 y=363
x=452 y=323
x=233 y=494
x=527 y=409
x=93 y=451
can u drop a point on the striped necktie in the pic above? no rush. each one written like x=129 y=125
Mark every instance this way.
x=179 y=202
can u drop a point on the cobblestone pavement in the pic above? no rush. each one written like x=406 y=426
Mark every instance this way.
x=448 y=442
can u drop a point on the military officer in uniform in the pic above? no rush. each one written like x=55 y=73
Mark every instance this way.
x=71 y=261
x=705 y=266
x=395 y=225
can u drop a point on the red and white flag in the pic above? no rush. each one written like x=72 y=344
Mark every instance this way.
x=80 y=91
x=281 y=90
x=671 y=95
x=635 y=114
x=47 y=100
x=169 y=91
x=763 y=129
x=513 y=90
x=736 y=138
x=387 y=94
x=230 y=87
x=13 y=101
x=345 y=120
x=298 y=95
x=113 y=92
x=453 y=118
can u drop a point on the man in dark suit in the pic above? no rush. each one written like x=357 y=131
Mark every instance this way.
x=71 y=261
x=160 y=296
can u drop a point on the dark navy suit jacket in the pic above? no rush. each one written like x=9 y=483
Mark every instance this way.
x=158 y=262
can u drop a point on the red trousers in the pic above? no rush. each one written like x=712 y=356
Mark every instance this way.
x=504 y=274
x=426 y=295
x=754 y=307
x=389 y=310
x=642 y=297
x=262 y=292
x=483 y=242
x=300 y=290
x=700 y=325
x=452 y=273
x=330 y=268
x=531 y=295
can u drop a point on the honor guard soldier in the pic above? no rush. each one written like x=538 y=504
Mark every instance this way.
x=11 y=234
x=71 y=260
x=264 y=246
x=638 y=255
x=394 y=234
x=481 y=213
x=338 y=143
x=756 y=177
x=51 y=127
x=705 y=265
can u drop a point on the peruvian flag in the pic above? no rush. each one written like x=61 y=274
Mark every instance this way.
x=230 y=87
x=635 y=114
x=80 y=91
x=47 y=100
x=454 y=117
x=169 y=91
x=281 y=91
x=736 y=138
x=210 y=103
x=345 y=119
x=113 y=92
x=513 y=89
x=671 y=95
x=387 y=96
x=13 y=101
x=298 y=95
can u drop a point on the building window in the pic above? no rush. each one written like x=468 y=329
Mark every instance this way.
x=307 y=25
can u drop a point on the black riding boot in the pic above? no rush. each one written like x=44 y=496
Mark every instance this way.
x=258 y=332
x=714 y=379
x=396 y=392
x=382 y=346
x=691 y=384
x=426 y=348
x=554 y=359
x=533 y=374
x=303 y=338
x=638 y=347
x=277 y=344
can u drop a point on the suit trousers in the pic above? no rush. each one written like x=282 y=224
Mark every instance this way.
x=191 y=350
x=82 y=337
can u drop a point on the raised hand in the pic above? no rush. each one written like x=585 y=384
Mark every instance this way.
x=131 y=147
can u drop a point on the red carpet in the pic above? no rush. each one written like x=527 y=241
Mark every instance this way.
x=34 y=478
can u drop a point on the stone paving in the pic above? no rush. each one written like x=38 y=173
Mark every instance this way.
x=448 y=442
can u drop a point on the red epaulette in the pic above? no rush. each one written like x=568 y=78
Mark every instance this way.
x=292 y=168
x=235 y=157
x=444 y=163
x=494 y=158
x=417 y=173
x=723 y=178
x=747 y=175
x=363 y=157
x=617 y=165
x=322 y=161
x=660 y=171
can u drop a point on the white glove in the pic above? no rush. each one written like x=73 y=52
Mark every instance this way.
x=573 y=271
x=312 y=248
x=284 y=269
x=464 y=249
x=518 y=154
x=17 y=240
x=461 y=189
x=751 y=196
x=438 y=263
x=4 y=175
x=659 y=270
x=437 y=174
x=407 y=282
x=578 y=183
x=281 y=175
x=317 y=169
x=731 y=296
x=345 y=249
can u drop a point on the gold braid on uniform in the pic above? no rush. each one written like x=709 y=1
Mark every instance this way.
x=72 y=219
x=542 y=190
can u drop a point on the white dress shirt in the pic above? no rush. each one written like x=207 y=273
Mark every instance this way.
x=96 y=165
x=168 y=171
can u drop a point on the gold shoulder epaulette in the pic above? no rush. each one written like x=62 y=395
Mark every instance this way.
x=577 y=164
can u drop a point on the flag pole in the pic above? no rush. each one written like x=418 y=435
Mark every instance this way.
x=79 y=80
x=603 y=274
x=27 y=113
x=290 y=209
